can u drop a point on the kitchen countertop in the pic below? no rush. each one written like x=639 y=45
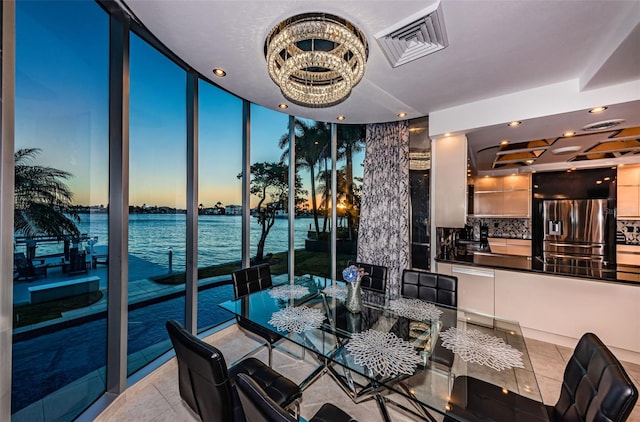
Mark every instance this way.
x=624 y=273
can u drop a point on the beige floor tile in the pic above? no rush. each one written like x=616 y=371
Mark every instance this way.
x=549 y=389
x=566 y=352
x=156 y=398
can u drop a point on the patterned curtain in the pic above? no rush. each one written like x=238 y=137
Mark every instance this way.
x=383 y=234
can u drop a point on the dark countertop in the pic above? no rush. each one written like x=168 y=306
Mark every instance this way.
x=623 y=273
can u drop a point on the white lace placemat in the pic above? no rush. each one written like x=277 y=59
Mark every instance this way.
x=415 y=309
x=383 y=353
x=297 y=319
x=478 y=347
x=286 y=291
x=337 y=291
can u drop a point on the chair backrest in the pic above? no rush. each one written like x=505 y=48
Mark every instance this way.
x=203 y=379
x=376 y=279
x=21 y=262
x=438 y=288
x=252 y=279
x=257 y=405
x=595 y=385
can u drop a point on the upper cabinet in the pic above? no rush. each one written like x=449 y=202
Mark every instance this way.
x=628 y=191
x=503 y=196
x=449 y=171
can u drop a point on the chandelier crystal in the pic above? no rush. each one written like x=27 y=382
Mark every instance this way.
x=316 y=58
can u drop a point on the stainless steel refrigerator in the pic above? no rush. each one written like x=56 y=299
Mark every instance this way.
x=575 y=234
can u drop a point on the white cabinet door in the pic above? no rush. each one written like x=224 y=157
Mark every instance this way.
x=475 y=288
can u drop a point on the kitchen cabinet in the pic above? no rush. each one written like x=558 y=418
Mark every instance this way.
x=449 y=164
x=475 y=288
x=505 y=246
x=504 y=196
x=487 y=203
x=628 y=191
x=561 y=309
x=627 y=255
x=516 y=203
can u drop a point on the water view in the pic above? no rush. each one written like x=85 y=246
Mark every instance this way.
x=151 y=236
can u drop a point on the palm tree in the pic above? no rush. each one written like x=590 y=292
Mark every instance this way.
x=43 y=204
x=350 y=141
x=312 y=144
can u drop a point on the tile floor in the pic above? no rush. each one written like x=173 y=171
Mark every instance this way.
x=156 y=397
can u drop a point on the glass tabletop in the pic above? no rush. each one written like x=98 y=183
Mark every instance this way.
x=381 y=348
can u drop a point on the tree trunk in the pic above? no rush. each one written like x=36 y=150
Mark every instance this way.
x=314 y=204
x=350 y=198
x=327 y=194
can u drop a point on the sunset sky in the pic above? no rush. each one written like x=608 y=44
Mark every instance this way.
x=62 y=108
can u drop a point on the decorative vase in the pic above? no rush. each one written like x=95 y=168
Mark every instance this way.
x=353 y=302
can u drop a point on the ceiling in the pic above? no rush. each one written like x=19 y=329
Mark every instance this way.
x=495 y=47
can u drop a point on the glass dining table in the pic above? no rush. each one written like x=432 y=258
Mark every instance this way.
x=389 y=351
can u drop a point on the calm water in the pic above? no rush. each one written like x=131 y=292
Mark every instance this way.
x=219 y=237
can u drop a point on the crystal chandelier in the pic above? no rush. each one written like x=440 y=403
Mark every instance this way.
x=316 y=58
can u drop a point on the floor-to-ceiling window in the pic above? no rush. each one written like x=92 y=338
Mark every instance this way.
x=313 y=220
x=157 y=199
x=61 y=194
x=62 y=90
x=349 y=170
x=269 y=189
x=219 y=199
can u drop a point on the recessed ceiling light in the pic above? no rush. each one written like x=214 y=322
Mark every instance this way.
x=515 y=123
x=597 y=109
x=283 y=106
x=504 y=142
x=219 y=72
x=447 y=134
x=568 y=134
x=403 y=114
x=607 y=178
x=341 y=117
x=529 y=161
x=598 y=182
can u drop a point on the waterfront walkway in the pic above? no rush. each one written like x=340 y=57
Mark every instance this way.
x=140 y=288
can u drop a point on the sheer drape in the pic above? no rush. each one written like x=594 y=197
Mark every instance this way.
x=383 y=235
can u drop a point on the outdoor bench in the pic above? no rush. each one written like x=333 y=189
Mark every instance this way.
x=62 y=289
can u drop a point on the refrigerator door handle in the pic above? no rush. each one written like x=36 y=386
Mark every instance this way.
x=576 y=246
x=586 y=258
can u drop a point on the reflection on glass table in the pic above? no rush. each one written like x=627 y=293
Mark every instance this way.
x=380 y=354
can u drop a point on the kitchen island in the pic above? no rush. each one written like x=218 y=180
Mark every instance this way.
x=622 y=273
x=556 y=305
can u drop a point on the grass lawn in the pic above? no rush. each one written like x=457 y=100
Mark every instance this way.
x=316 y=263
x=32 y=314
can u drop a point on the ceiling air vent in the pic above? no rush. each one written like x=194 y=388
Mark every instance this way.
x=604 y=125
x=417 y=36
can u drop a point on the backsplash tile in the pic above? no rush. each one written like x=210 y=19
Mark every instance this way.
x=519 y=228
x=630 y=229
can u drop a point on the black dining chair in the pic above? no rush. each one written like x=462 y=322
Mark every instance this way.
x=259 y=407
x=247 y=281
x=208 y=388
x=595 y=387
x=440 y=289
x=376 y=278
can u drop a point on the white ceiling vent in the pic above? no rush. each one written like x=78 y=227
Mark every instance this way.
x=417 y=36
x=604 y=125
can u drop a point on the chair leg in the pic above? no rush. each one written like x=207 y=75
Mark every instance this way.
x=270 y=347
